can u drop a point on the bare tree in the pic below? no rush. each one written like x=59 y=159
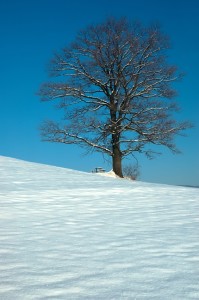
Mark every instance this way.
x=115 y=86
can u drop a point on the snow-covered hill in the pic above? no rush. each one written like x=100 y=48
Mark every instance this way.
x=71 y=235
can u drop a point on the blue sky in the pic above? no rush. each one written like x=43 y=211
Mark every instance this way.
x=32 y=30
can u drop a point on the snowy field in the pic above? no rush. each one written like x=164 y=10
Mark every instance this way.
x=71 y=235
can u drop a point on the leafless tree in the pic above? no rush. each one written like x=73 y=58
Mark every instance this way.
x=115 y=87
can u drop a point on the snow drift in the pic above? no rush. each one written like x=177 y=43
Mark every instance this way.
x=71 y=235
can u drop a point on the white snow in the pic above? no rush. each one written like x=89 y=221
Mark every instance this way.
x=71 y=235
x=108 y=174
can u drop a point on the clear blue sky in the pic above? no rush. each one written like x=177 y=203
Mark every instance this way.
x=32 y=30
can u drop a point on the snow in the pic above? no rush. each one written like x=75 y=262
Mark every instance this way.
x=108 y=174
x=66 y=234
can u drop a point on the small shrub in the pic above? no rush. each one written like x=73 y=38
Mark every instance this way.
x=131 y=171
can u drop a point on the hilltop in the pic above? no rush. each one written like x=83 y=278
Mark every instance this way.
x=66 y=234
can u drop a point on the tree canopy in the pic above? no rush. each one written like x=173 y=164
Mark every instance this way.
x=115 y=86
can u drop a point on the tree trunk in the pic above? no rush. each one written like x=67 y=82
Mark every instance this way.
x=117 y=161
x=117 y=155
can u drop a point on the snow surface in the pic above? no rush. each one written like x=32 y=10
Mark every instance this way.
x=71 y=235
